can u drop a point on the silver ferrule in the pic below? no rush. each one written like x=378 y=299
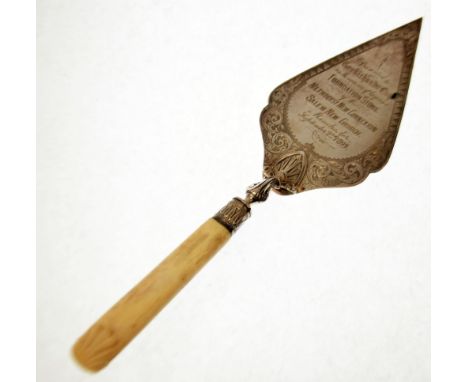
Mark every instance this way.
x=237 y=211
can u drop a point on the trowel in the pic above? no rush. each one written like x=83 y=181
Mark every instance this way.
x=330 y=126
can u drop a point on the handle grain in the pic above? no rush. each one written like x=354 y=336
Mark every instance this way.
x=120 y=324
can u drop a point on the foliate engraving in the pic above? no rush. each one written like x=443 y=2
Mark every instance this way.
x=233 y=214
x=343 y=114
x=279 y=142
x=289 y=171
x=331 y=173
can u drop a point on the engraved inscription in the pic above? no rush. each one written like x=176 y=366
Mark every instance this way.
x=343 y=114
x=344 y=110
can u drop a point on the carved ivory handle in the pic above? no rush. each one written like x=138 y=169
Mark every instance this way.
x=121 y=323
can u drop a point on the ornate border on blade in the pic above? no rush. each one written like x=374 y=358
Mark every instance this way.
x=320 y=171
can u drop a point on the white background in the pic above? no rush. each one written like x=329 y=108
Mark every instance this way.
x=148 y=123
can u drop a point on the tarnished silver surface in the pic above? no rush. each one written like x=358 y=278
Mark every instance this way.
x=258 y=192
x=335 y=123
x=233 y=214
x=237 y=211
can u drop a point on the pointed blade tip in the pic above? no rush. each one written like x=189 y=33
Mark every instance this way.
x=417 y=22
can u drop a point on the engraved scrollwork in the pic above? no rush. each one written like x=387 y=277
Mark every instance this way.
x=352 y=172
x=319 y=172
x=373 y=159
x=279 y=142
x=278 y=96
x=319 y=169
x=334 y=173
x=316 y=168
x=376 y=160
x=272 y=118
